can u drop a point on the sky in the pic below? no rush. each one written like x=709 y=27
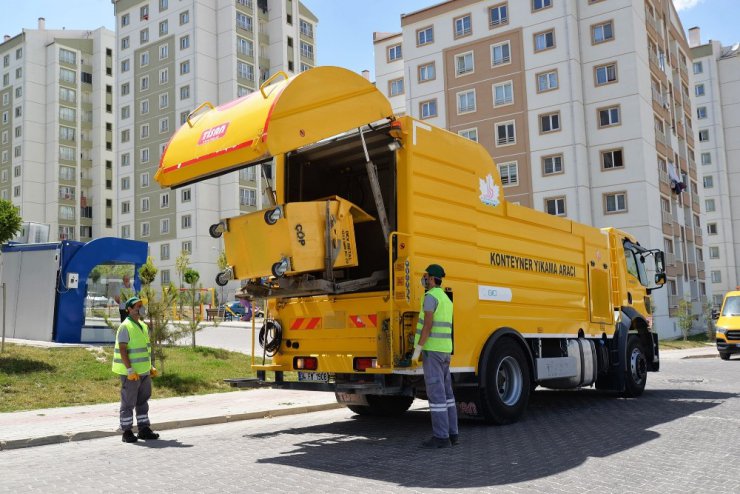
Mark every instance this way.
x=346 y=27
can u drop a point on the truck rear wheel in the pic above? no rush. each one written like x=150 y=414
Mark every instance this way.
x=508 y=383
x=383 y=406
x=636 y=372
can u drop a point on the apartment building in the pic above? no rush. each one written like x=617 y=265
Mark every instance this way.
x=584 y=105
x=56 y=129
x=173 y=56
x=716 y=88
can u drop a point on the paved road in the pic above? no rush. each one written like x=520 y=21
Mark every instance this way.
x=683 y=435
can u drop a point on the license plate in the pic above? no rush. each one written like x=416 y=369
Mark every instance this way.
x=316 y=377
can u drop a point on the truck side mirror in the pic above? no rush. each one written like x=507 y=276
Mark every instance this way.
x=660 y=263
x=660 y=279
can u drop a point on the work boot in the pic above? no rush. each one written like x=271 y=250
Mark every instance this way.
x=454 y=439
x=128 y=437
x=436 y=443
x=146 y=433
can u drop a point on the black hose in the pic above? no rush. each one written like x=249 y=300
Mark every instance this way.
x=271 y=335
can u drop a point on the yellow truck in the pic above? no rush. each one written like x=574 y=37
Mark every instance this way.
x=728 y=325
x=362 y=201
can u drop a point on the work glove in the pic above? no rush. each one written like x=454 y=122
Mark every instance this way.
x=416 y=355
x=132 y=375
x=154 y=372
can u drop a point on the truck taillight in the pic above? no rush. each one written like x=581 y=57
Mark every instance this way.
x=305 y=363
x=362 y=363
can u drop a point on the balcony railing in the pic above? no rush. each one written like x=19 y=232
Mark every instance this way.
x=654 y=22
x=670 y=259
x=700 y=265
x=663 y=177
x=667 y=218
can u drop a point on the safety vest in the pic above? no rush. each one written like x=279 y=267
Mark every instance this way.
x=139 y=349
x=440 y=339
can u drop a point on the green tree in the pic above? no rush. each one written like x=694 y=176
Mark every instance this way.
x=194 y=325
x=158 y=312
x=685 y=318
x=707 y=310
x=10 y=221
x=182 y=263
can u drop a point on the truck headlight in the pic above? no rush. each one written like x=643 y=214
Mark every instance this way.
x=721 y=330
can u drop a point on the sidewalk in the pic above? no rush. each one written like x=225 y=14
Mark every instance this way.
x=60 y=425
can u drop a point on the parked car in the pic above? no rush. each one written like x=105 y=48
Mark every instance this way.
x=97 y=302
x=236 y=307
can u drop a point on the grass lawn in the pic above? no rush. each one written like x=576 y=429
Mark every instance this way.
x=694 y=341
x=32 y=378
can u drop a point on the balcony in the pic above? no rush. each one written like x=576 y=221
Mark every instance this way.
x=700 y=266
x=692 y=270
x=667 y=218
x=653 y=22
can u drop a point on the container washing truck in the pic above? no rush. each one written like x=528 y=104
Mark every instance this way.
x=362 y=200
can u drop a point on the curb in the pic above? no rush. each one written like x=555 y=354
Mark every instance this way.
x=163 y=426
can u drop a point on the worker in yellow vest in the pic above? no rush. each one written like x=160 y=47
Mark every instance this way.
x=433 y=340
x=132 y=360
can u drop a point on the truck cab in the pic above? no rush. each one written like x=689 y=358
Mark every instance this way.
x=728 y=326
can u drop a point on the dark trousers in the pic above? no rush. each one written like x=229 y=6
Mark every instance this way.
x=439 y=393
x=124 y=314
x=135 y=395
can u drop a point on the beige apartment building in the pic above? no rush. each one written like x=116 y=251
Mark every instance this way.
x=56 y=129
x=716 y=92
x=172 y=56
x=584 y=105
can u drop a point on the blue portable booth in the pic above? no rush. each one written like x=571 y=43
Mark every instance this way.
x=46 y=286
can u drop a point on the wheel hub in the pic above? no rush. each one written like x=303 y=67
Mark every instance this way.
x=509 y=381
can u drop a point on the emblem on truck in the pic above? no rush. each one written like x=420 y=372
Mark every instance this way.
x=213 y=133
x=489 y=191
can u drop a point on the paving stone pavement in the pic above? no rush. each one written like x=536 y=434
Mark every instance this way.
x=682 y=435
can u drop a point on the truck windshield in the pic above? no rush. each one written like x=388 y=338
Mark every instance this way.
x=731 y=307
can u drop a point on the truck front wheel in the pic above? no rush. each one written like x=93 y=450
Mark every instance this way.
x=383 y=406
x=724 y=356
x=636 y=372
x=508 y=383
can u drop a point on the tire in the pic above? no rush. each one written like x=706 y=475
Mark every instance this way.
x=724 y=356
x=383 y=406
x=279 y=269
x=214 y=232
x=636 y=371
x=221 y=280
x=508 y=383
x=272 y=216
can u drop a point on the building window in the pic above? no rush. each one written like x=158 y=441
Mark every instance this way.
x=395 y=87
x=463 y=26
x=716 y=276
x=144 y=36
x=605 y=74
x=505 y=133
x=125 y=207
x=185 y=92
x=185 y=42
x=712 y=228
x=708 y=181
x=466 y=102
x=306 y=50
x=125 y=89
x=547 y=81
x=709 y=206
x=144 y=83
x=186 y=221
x=428 y=109
x=164 y=51
x=698 y=67
x=555 y=206
x=164 y=101
x=701 y=112
x=503 y=94
x=247 y=197
x=552 y=165
x=464 y=63
x=471 y=134
x=144 y=179
x=611 y=159
x=145 y=229
x=544 y=40
x=144 y=13
x=145 y=204
x=704 y=135
x=509 y=174
x=125 y=20
x=394 y=53
x=500 y=54
x=603 y=32
x=498 y=15
x=144 y=131
x=549 y=122
x=126 y=231
x=425 y=36
x=165 y=277
x=609 y=117
x=187 y=246
x=714 y=252
x=427 y=72
x=164 y=226
x=541 y=4
x=185 y=67
x=244 y=22
x=615 y=203
x=699 y=89
x=125 y=183
x=164 y=200
x=184 y=17
x=164 y=125
x=67 y=56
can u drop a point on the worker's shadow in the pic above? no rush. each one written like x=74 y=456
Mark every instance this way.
x=560 y=431
x=162 y=443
